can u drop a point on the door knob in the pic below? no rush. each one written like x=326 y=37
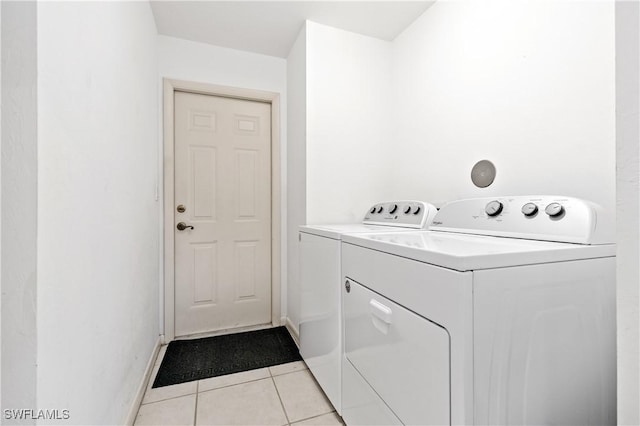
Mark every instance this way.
x=182 y=226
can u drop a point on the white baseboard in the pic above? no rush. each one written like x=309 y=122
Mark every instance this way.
x=293 y=330
x=135 y=405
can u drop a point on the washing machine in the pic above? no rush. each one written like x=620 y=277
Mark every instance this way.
x=503 y=312
x=320 y=325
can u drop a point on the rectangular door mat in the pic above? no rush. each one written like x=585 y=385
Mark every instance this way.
x=187 y=360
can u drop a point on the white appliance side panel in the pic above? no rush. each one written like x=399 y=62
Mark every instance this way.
x=361 y=405
x=320 y=312
x=404 y=357
x=545 y=344
x=442 y=295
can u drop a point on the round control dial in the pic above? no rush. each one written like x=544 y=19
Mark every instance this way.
x=380 y=209
x=373 y=210
x=493 y=208
x=407 y=210
x=393 y=208
x=529 y=209
x=554 y=209
x=417 y=210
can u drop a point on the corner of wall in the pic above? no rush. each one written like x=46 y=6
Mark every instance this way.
x=628 y=207
x=296 y=165
x=19 y=193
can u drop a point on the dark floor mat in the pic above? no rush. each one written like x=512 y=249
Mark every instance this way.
x=187 y=360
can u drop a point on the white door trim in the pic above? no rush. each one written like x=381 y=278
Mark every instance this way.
x=171 y=86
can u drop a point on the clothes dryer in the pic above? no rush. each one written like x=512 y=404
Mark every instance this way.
x=320 y=272
x=502 y=313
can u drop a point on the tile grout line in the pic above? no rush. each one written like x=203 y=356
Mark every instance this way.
x=195 y=413
x=234 y=384
x=288 y=372
x=166 y=399
x=150 y=388
x=171 y=397
x=319 y=415
x=284 y=410
x=333 y=410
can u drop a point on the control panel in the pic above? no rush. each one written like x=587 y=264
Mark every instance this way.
x=547 y=218
x=410 y=214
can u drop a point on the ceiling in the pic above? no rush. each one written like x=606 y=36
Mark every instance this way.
x=271 y=27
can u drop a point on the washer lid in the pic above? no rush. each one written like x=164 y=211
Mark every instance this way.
x=472 y=252
x=338 y=230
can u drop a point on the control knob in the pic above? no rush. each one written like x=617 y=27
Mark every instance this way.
x=393 y=208
x=554 y=209
x=407 y=210
x=373 y=210
x=493 y=208
x=417 y=210
x=380 y=209
x=529 y=209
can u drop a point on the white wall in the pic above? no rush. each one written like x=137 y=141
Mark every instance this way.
x=628 y=204
x=296 y=168
x=97 y=213
x=348 y=123
x=198 y=62
x=19 y=200
x=339 y=90
x=528 y=85
x=204 y=63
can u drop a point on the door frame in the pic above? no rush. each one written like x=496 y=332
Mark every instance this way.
x=170 y=86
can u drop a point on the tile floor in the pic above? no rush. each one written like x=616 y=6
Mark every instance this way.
x=285 y=394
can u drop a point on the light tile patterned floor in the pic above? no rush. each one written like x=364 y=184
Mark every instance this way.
x=286 y=394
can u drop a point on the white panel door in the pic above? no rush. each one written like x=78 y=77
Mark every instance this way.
x=223 y=181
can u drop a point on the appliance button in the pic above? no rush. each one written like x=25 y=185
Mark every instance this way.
x=554 y=209
x=373 y=210
x=407 y=210
x=417 y=210
x=393 y=208
x=529 y=209
x=380 y=208
x=494 y=208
